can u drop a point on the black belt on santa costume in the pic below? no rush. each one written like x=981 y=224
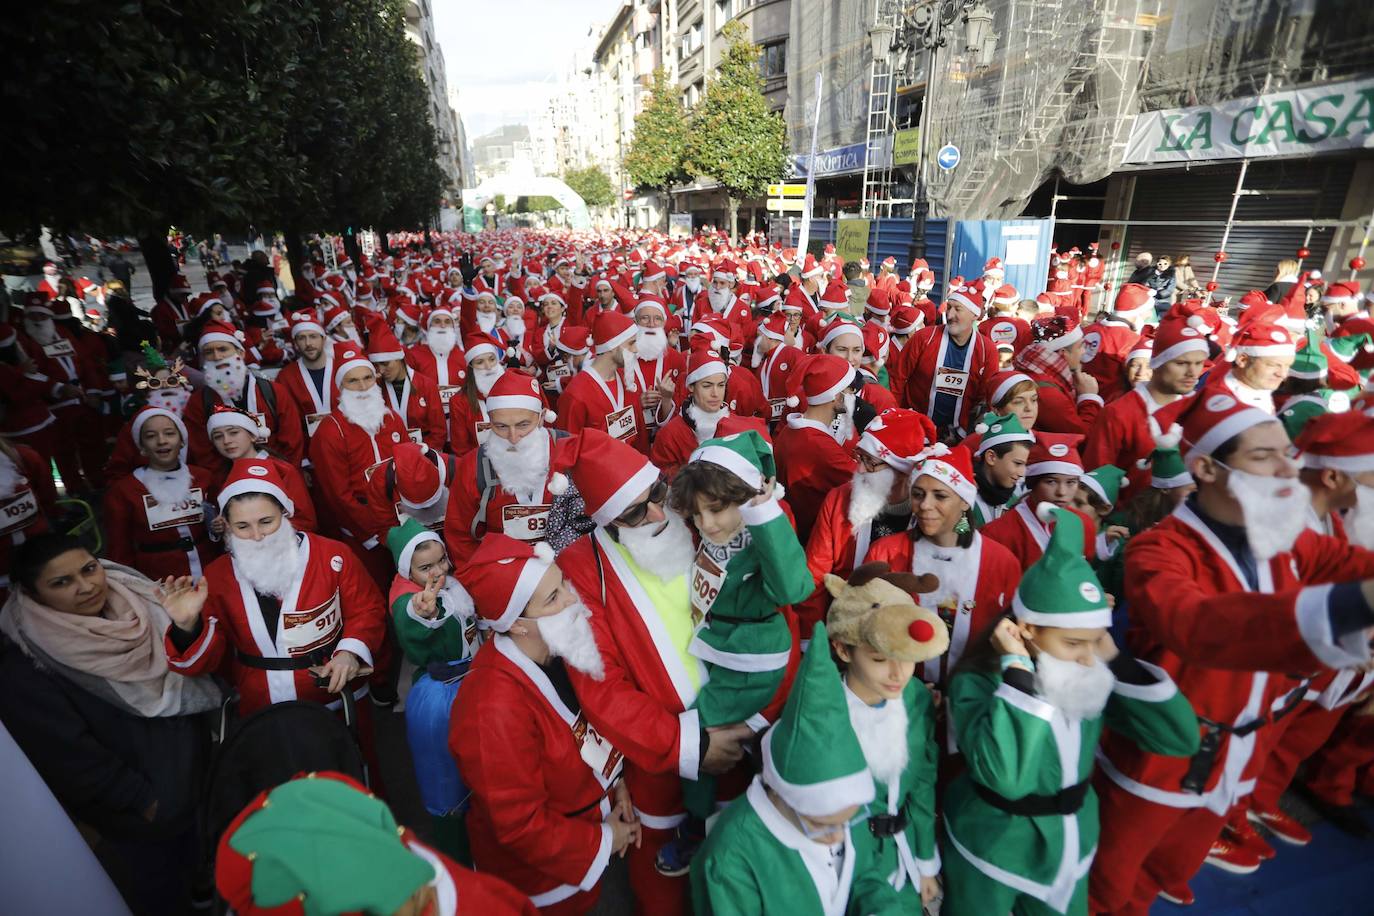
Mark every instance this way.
x=1064 y=802
x=1200 y=764
x=312 y=659
x=182 y=544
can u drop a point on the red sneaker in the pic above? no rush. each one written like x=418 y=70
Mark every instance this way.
x=1179 y=896
x=1245 y=833
x=1281 y=826
x=1233 y=856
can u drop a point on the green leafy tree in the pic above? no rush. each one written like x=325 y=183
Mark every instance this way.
x=593 y=185
x=655 y=158
x=734 y=138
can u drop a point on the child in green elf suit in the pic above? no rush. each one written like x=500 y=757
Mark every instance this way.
x=788 y=846
x=436 y=628
x=1029 y=707
x=879 y=633
x=748 y=565
x=999 y=460
x=1098 y=493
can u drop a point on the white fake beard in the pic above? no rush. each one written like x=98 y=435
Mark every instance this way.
x=173 y=399
x=457 y=602
x=842 y=427
x=882 y=734
x=1272 y=522
x=168 y=487
x=720 y=299
x=522 y=468
x=1359 y=521
x=693 y=285
x=1078 y=691
x=400 y=329
x=667 y=554
x=650 y=343
x=228 y=377
x=486 y=321
x=11 y=478
x=441 y=342
x=271 y=565
x=366 y=409
x=568 y=635
x=707 y=421
x=42 y=330
x=868 y=494
x=429 y=514
x=515 y=327
x=485 y=378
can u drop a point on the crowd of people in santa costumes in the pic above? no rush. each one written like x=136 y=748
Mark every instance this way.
x=738 y=563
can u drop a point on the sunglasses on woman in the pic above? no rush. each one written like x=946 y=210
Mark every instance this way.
x=634 y=516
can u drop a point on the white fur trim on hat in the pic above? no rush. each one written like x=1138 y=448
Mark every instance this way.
x=1218 y=433
x=839 y=329
x=706 y=370
x=828 y=395
x=950 y=476
x=525 y=584
x=147 y=413
x=732 y=461
x=617 y=340
x=1174 y=351
x=386 y=357
x=408 y=551
x=1007 y=385
x=348 y=365
x=482 y=349
x=1067 y=468
x=515 y=402
x=256 y=485
x=307 y=325
x=1064 y=341
x=624 y=495
x=225 y=418
x=218 y=337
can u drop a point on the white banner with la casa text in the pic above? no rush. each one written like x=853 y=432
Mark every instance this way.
x=1296 y=122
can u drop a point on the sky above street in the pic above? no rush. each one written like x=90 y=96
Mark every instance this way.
x=505 y=57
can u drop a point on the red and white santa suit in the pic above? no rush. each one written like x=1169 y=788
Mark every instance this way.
x=171 y=312
x=573 y=294
x=293 y=480
x=28 y=498
x=539 y=773
x=642 y=622
x=1231 y=642
x=331 y=606
x=590 y=401
x=810 y=463
x=680 y=436
x=775 y=368
x=490 y=279
x=932 y=372
x=468 y=426
x=1022 y=530
x=735 y=311
x=415 y=398
x=24 y=414
x=313 y=399
x=276 y=411
x=1097 y=269
x=645 y=374
x=1062 y=408
x=1108 y=342
x=1006 y=327
x=1255 y=339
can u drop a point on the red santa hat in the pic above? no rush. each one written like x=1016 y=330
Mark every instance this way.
x=994 y=267
x=820 y=379
x=179 y=285
x=836 y=296
x=441 y=311
x=1055 y=453
x=953 y=467
x=1177 y=335
x=518 y=391
x=968 y=298
x=876 y=341
x=1259 y=338
x=610 y=330
x=704 y=363
x=347 y=361
x=501 y=577
x=146 y=414
x=302 y=321
x=879 y=302
x=550 y=294
x=1005 y=294
x=774 y=327
x=574 y=340
x=1057 y=332
x=650 y=302
x=1214 y=419
x=337 y=313
x=652 y=271
x=1143 y=348
x=1339 y=441
x=255 y=475
x=725 y=269
x=610 y=475
x=811 y=268
x=382 y=345
x=226 y=415
x=477 y=345
x=767 y=296
x=1254 y=299
x=220 y=332
x=897 y=437
x=407 y=313
x=906 y=319
x=363 y=291
x=1341 y=294
x=419 y=475
x=837 y=329
x=1132 y=297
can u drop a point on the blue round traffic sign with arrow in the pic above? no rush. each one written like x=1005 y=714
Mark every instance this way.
x=948 y=156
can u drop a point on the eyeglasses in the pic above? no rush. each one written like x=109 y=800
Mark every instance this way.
x=634 y=516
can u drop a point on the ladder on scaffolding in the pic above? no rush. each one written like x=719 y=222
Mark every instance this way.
x=877 y=183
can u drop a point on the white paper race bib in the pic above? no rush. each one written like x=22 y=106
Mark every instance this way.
x=415 y=436
x=18 y=511
x=446 y=393
x=436 y=524
x=776 y=407
x=951 y=381
x=595 y=750
x=162 y=516
x=707 y=579
x=312 y=422
x=262 y=425
x=59 y=347
x=370 y=470
x=303 y=631
x=621 y=424
x=524 y=523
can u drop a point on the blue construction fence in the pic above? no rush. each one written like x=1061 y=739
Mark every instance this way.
x=892 y=237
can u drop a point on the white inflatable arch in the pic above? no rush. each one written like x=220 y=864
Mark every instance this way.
x=513 y=186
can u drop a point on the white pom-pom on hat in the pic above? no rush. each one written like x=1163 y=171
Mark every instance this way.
x=1197 y=321
x=792 y=401
x=542 y=551
x=550 y=416
x=1045 y=512
x=558 y=484
x=1171 y=439
x=980 y=428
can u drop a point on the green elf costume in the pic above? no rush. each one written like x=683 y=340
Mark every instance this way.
x=1105 y=484
x=1021 y=821
x=759 y=859
x=1310 y=364
x=994 y=429
x=441 y=649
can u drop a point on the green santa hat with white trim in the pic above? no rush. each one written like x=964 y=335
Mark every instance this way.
x=1167 y=471
x=1310 y=362
x=1060 y=589
x=812 y=757
x=1105 y=483
x=404 y=539
x=999 y=430
x=745 y=454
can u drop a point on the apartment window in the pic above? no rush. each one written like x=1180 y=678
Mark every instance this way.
x=723 y=11
x=691 y=39
x=773 y=60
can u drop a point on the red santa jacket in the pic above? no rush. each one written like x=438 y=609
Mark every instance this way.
x=736 y=313
x=1006 y=329
x=311 y=403
x=810 y=464
x=24 y=395
x=1060 y=410
x=1105 y=346
x=448 y=375
x=1121 y=436
x=926 y=369
x=169 y=318
x=344 y=456
x=673 y=445
x=304 y=518
x=159 y=540
x=478 y=504
x=419 y=403
x=468 y=426
x=1026 y=536
x=276 y=411
x=833 y=547
x=1230 y=650
x=26 y=510
x=333 y=606
x=590 y=402
x=643 y=704
x=773 y=374
x=62 y=362
x=539 y=776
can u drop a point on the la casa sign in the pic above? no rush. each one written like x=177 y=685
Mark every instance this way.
x=1291 y=123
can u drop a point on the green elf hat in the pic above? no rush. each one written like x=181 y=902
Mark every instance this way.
x=999 y=430
x=1105 y=483
x=319 y=845
x=812 y=757
x=1060 y=589
x=152 y=359
x=402 y=541
x=1310 y=362
x=1167 y=470
x=746 y=454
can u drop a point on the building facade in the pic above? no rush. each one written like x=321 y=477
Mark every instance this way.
x=419 y=26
